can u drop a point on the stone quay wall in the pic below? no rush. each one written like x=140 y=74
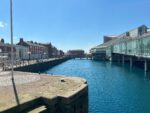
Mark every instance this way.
x=40 y=66
x=78 y=103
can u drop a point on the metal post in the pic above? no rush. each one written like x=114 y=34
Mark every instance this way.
x=12 y=53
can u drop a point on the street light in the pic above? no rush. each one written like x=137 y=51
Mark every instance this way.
x=44 y=55
x=12 y=53
x=1 y=59
x=29 y=53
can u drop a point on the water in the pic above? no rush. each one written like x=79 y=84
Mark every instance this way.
x=113 y=88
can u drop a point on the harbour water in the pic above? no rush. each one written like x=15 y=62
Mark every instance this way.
x=113 y=87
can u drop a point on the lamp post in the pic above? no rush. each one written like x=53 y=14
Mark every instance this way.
x=12 y=53
x=44 y=54
x=29 y=53
x=1 y=59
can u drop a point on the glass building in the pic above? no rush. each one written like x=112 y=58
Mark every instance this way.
x=135 y=42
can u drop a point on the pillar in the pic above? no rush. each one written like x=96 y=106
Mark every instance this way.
x=131 y=62
x=123 y=60
x=145 y=66
x=111 y=59
x=119 y=59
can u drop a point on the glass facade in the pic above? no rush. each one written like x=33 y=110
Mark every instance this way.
x=137 y=46
x=109 y=51
x=135 y=42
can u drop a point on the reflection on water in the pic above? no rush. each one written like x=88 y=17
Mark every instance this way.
x=113 y=87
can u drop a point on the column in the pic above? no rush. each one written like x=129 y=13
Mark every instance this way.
x=110 y=59
x=145 y=65
x=123 y=60
x=131 y=62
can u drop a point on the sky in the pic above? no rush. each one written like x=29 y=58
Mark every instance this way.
x=72 y=24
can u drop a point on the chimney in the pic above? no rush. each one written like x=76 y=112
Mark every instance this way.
x=2 y=41
x=21 y=40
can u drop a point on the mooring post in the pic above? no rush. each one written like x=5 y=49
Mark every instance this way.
x=145 y=65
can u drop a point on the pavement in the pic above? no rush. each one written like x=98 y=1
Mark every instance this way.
x=6 y=78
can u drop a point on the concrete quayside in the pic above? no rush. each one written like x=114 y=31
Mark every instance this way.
x=57 y=94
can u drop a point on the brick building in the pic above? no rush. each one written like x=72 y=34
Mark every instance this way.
x=36 y=50
x=5 y=49
x=49 y=49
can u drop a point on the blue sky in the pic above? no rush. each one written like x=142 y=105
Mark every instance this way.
x=72 y=24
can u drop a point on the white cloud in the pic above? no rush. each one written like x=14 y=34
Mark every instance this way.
x=2 y=24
